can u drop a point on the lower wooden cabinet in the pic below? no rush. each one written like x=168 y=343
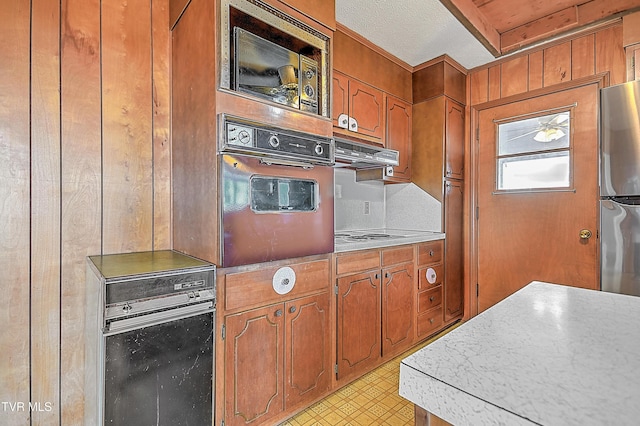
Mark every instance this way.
x=398 y=291
x=375 y=308
x=276 y=358
x=358 y=323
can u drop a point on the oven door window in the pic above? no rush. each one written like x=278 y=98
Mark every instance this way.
x=274 y=194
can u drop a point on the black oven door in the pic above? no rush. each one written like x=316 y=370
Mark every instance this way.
x=161 y=374
x=272 y=211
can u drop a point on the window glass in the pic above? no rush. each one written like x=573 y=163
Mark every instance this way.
x=534 y=153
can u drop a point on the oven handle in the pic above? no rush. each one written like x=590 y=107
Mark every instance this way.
x=290 y=163
x=146 y=320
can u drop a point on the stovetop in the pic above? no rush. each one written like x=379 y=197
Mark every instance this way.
x=376 y=238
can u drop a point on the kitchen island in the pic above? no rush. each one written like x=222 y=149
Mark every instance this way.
x=546 y=355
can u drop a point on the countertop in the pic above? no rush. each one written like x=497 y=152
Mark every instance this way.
x=394 y=237
x=546 y=355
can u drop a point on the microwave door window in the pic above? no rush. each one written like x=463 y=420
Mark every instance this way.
x=273 y=195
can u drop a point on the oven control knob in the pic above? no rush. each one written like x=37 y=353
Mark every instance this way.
x=319 y=149
x=274 y=141
x=308 y=90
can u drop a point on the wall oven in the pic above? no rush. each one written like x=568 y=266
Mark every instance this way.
x=276 y=189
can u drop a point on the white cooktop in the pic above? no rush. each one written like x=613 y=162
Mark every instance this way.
x=380 y=237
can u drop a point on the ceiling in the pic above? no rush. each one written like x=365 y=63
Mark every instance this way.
x=472 y=32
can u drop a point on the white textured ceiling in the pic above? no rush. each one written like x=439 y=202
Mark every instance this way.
x=415 y=31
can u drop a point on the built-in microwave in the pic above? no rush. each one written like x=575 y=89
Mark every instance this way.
x=269 y=55
x=270 y=71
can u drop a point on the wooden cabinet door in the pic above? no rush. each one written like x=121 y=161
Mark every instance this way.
x=399 y=135
x=453 y=256
x=454 y=140
x=253 y=365
x=308 y=361
x=358 y=323
x=398 y=291
x=340 y=100
x=366 y=107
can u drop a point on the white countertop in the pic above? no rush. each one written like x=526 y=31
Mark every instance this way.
x=546 y=355
x=397 y=237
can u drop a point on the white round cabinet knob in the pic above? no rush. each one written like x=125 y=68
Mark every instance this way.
x=283 y=280
x=431 y=275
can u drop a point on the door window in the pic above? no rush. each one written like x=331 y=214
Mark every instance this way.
x=534 y=152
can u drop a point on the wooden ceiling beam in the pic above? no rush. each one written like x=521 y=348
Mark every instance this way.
x=539 y=29
x=476 y=23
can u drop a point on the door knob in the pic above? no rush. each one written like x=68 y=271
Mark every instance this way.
x=585 y=234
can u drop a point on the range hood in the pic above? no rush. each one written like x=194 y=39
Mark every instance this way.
x=362 y=156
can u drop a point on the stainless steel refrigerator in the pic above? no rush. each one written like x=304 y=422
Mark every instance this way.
x=620 y=188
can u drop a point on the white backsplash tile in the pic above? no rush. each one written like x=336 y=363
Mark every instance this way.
x=396 y=206
x=409 y=207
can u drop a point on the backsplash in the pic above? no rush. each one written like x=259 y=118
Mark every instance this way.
x=372 y=205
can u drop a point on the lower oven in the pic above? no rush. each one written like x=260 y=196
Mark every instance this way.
x=276 y=197
x=155 y=358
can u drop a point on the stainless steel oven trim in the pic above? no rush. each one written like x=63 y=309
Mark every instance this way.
x=283 y=22
x=157 y=303
x=147 y=320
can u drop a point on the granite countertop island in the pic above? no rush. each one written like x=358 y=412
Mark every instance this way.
x=546 y=355
x=381 y=237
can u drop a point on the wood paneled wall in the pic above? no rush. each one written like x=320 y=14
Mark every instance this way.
x=597 y=52
x=85 y=169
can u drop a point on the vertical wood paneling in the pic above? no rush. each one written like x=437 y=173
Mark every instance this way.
x=81 y=188
x=126 y=124
x=14 y=209
x=583 y=56
x=479 y=82
x=513 y=75
x=45 y=211
x=610 y=54
x=494 y=82
x=557 y=64
x=161 y=126
x=535 y=70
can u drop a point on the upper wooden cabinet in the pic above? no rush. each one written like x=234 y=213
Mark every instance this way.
x=441 y=76
x=398 y=124
x=358 y=109
x=322 y=11
x=437 y=144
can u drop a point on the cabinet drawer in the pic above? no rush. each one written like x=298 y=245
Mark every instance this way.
x=430 y=276
x=393 y=256
x=255 y=288
x=357 y=262
x=429 y=322
x=429 y=299
x=430 y=252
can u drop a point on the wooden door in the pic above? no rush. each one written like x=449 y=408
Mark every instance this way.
x=367 y=108
x=454 y=140
x=358 y=323
x=397 y=308
x=308 y=361
x=253 y=365
x=535 y=235
x=399 y=135
x=454 y=250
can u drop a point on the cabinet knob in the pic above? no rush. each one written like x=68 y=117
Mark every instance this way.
x=376 y=276
x=431 y=299
x=292 y=309
x=278 y=313
x=431 y=320
x=431 y=253
x=386 y=275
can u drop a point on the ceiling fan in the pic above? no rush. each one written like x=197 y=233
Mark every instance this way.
x=549 y=129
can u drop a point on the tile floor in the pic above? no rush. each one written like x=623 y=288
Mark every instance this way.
x=371 y=400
